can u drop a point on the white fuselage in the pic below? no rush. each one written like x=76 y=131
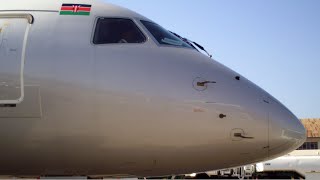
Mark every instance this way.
x=123 y=109
x=302 y=162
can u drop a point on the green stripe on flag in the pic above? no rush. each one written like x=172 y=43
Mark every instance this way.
x=74 y=13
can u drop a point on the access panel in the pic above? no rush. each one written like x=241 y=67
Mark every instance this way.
x=14 y=30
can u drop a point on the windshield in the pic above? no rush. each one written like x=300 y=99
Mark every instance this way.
x=163 y=36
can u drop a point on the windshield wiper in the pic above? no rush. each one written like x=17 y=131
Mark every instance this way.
x=184 y=39
x=202 y=48
x=192 y=44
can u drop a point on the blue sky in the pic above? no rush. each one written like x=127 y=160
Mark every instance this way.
x=275 y=44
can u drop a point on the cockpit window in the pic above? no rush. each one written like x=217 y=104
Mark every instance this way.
x=163 y=36
x=117 y=30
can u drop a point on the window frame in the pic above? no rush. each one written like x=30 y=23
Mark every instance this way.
x=154 y=39
x=309 y=146
x=134 y=21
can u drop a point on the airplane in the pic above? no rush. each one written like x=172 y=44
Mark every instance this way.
x=302 y=164
x=90 y=88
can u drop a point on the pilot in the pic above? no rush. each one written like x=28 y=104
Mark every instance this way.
x=127 y=37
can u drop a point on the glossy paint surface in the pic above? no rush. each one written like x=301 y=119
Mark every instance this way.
x=130 y=109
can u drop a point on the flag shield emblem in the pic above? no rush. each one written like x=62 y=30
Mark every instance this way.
x=75 y=9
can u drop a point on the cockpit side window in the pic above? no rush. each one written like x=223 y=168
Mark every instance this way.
x=117 y=30
x=163 y=36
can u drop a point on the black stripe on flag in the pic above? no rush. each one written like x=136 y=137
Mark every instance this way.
x=82 y=5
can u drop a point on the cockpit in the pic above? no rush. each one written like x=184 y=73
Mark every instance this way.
x=125 y=30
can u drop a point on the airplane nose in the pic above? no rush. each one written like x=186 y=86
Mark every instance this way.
x=286 y=132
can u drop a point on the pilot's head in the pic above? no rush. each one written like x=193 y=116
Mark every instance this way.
x=127 y=36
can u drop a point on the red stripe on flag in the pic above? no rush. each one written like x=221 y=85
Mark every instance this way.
x=84 y=9
x=66 y=8
x=69 y=8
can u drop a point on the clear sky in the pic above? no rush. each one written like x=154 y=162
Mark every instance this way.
x=275 y=44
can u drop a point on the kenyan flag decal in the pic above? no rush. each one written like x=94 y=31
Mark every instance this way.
x=75 y=9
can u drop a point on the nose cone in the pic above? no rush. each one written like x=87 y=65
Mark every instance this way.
x=286 y=132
